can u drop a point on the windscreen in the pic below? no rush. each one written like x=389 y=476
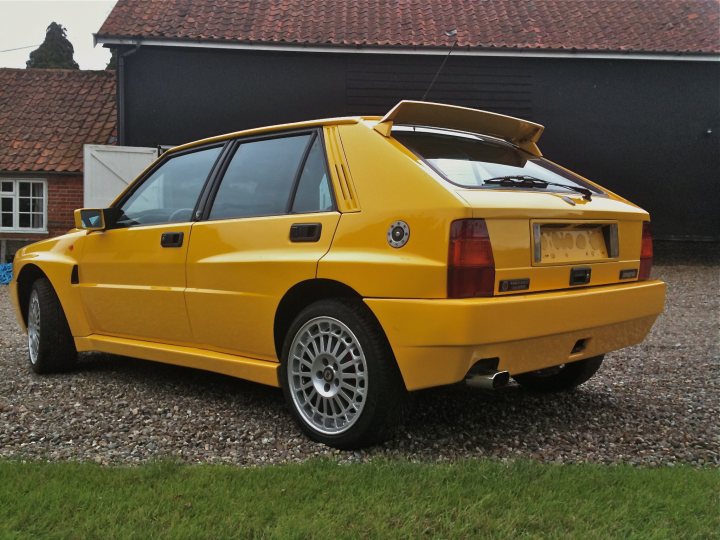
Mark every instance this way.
x=469 y=160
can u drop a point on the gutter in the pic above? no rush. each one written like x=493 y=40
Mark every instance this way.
x=4 y=173
x=137 y=42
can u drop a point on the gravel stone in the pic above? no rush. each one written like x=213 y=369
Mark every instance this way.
x=653 y=404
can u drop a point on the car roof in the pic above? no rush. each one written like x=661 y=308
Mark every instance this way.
x=517 y=131
x=343 y=120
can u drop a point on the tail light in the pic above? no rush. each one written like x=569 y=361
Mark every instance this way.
x=471 y=268
x=646 y=252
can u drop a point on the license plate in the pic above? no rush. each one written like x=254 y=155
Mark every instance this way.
x=560 y=243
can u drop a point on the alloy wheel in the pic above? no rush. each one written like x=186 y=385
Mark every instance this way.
x=327 y=375
x=34 y=326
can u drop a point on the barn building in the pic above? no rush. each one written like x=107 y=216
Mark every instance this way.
x=629 y=90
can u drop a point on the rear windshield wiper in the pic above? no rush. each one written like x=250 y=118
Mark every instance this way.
x=525 y=181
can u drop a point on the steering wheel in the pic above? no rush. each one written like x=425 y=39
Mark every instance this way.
x=179 y=212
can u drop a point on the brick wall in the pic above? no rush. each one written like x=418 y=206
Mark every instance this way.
x=65 y=194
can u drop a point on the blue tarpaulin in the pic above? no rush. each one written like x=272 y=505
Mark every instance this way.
x=5 y=273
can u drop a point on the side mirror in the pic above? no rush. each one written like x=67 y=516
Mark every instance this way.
x=91 y=219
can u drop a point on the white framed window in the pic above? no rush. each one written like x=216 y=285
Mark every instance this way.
x=23 y=205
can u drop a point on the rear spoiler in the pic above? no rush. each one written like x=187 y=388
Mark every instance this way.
x=422 y=113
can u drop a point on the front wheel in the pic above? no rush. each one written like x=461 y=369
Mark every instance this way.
x=339 y=375
x=51 y=347
x=562 y=377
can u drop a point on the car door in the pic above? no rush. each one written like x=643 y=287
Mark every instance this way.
x=132 y=275
x=272 y=218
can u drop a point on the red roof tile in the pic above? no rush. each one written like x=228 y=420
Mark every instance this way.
x=648 y=26
x=46 y=115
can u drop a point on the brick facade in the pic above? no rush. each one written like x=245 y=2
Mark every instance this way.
x=65 y=194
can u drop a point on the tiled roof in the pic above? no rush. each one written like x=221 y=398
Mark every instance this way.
x=640 y=26
x=46 y=115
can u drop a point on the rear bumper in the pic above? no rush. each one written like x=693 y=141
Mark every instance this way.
x=437 y=341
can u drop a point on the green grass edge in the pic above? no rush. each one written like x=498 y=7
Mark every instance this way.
x=383 y=498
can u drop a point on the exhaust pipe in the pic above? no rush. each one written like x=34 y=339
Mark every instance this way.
x=489 y=381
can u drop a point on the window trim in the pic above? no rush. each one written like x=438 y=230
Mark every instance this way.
x=162 y=160
x=315 y=132
x=298 y=173
x=15 y=229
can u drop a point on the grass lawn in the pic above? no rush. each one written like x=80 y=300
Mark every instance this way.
x=322 y=499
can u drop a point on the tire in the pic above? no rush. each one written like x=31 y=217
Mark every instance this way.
x=339 y=375
x=51 y=347
x=560 y=378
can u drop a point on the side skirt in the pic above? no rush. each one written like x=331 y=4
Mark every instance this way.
x=250 y=369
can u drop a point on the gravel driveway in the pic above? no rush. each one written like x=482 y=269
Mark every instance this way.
x=656 y=403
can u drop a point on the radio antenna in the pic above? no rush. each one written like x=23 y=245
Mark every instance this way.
x=448 y=33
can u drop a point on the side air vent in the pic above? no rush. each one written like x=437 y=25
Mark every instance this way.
x=347 y=198
x=74 y=275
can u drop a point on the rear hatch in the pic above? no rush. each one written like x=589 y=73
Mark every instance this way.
x=540 y=242
x=549 y=228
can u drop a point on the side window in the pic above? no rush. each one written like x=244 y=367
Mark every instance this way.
x=313 y=192
x=171 y=192
x=260 y=177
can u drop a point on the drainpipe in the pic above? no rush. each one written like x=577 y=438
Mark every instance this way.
x=120 y=90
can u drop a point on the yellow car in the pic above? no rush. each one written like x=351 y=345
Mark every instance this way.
x=351 y=260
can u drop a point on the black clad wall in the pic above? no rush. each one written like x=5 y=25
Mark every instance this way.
x=648 y=130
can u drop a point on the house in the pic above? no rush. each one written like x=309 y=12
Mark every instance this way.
x=46 y=116
x=628 y=90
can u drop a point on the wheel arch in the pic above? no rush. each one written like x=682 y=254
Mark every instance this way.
x=59 y=273
x=302 y=295
x=307 y=292
x=28 y=275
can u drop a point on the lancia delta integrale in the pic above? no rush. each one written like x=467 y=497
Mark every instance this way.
x=349 y=261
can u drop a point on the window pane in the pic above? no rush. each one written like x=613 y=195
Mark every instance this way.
x=37 y=190
x=24 y=220
x=37 y=221
x=6 y=205
x=313 y=193
x=259 y=178
x=24 y=205
x=170 y=194
x=7 y=187
x=469 y=160
x=7 y=220
x=24 y=189
x=36 y=205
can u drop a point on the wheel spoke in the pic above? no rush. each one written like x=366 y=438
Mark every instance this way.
x=331 y=404
x=339 y=404
x=336 y=349
x=346 y=360
x=304 y=362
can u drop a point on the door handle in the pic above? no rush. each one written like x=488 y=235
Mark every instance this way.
x=305 y=232
x=172 y=239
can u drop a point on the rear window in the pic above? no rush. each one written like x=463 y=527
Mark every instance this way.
x=469 y=160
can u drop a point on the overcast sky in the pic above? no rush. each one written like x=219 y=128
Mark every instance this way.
x=23 y=23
